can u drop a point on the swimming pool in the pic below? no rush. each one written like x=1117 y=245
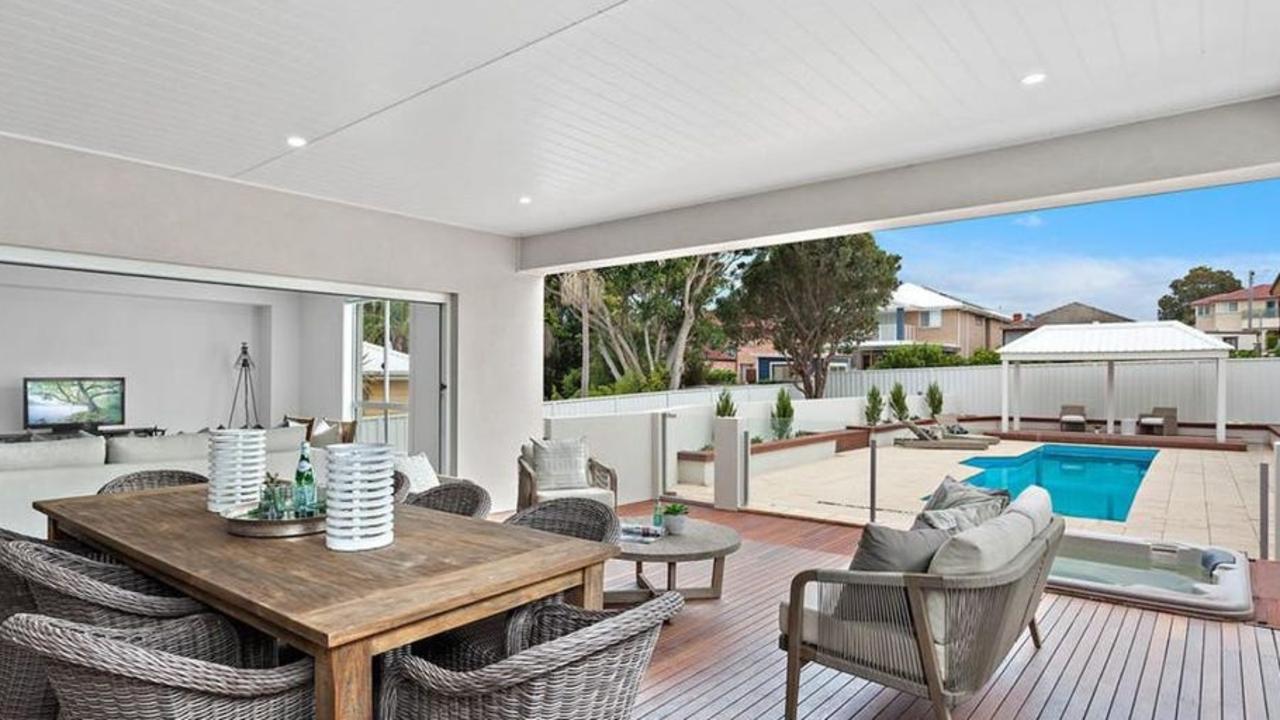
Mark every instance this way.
x=1084 y=481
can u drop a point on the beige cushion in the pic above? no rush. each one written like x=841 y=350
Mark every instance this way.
x=286 y=438
x=1036 y=505
x=560 y=464
x=870 y=642
x=1072 y=418
x=417 y=468
x=984 y=548
x=187 y=446
x=35 y=455
x=603 y=495
x=1151 y=421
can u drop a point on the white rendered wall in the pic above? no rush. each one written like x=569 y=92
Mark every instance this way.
x=54 y=198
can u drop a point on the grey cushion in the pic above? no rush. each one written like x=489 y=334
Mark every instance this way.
x=187 y=446
x=886 y=549
x=77 y=452
x=953 y=493
x=1036 y=505
x=961 y=517
x=984 y=548
x=1072 y=419
x=286 y=438
x=602 y=495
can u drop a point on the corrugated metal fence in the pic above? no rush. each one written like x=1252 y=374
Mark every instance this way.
x=641 y=402
x=1253 y=388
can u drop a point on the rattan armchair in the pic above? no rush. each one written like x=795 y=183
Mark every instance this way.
x=151 y=480
x=574 y=517
x=1160 y=421
x=938 y=637
x=456 y=497
x=173 y=671
x=579 y=665
x=600 y=478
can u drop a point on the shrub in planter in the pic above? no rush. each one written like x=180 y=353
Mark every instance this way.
x=725 y=406
x=674 y=517
x=898 y=403
x=875 y=406
x=782 y=416
x=933 y=398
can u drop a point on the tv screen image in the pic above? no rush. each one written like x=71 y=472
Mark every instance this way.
x=51 y=402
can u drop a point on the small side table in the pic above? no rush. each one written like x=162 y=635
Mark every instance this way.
x=1129 y=426
x=701 y=540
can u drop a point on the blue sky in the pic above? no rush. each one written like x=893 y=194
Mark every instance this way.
x=1117 y=255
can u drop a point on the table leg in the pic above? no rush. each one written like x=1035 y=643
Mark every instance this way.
x=53 y=532
x=671 y=577
x=344 y=683
x=590 y=594
x=717 y=577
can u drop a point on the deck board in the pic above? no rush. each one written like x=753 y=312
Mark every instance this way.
x=719 y=659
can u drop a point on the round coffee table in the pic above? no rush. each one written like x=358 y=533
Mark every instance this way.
x=701 y=540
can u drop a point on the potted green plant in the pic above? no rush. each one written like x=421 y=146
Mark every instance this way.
x=782 y=416
x=674 y=516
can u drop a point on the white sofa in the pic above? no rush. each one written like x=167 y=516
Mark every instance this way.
x=67 y=468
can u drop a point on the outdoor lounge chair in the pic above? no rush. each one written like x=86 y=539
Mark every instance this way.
x=934 y=635
x=947 y=425
x=927 y=440
x=601 y=483
x=1160 y=421
x=1072 y=418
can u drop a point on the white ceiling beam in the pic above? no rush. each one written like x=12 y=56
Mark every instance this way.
x=1232 y=143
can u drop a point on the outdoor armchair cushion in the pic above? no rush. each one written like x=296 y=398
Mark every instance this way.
x=600 y=495
x=984 y=548
x=960 y=517
x=1036 y=505
x=561 y=464
x=885 y=549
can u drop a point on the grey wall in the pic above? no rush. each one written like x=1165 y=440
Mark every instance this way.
x=59 y=199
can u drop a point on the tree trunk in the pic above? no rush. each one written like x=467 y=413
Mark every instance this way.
x=586 y=349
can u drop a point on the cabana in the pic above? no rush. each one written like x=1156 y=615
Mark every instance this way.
x=1110 y=343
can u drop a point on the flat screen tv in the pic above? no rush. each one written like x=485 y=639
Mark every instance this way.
x=72 y=402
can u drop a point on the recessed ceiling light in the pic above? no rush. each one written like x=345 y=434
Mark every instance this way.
x=1034 y=78
x=296 y=141
x=525 y=199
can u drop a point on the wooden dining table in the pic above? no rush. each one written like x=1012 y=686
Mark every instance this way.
x=342 y=608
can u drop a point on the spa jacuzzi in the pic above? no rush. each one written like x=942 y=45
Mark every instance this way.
x=1203 y=581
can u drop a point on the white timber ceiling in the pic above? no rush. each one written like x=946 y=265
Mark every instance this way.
x=603 y=109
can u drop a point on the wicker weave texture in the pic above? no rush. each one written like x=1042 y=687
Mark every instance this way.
x=151 y=480
x=159 y=673
x=458 y=497
x=588 y=666
x=574 y=517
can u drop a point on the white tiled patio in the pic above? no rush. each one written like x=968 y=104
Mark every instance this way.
x=1201 y=496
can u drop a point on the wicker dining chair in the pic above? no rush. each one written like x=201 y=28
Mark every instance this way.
x=489 y=640
x=174 y=671
x=578 y=665
x=71 y=587
x=151 y=480
x=454 y=496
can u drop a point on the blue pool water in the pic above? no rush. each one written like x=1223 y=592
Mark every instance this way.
x=1086 y=482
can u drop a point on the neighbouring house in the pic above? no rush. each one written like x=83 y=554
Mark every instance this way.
x=760 y=362
x=919 y=314
x=1227 y=316
x=1073 y=313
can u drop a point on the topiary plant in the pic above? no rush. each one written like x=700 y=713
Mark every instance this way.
x=875 y=406
x=724 y=405
x=933 y=398
x=898 y=403
x=782 y=416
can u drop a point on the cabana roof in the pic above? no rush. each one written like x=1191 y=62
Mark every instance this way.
x=1160 y=340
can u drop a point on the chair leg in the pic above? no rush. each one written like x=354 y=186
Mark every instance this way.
x=1035 y=633
x=794 y=664
x=941 y=711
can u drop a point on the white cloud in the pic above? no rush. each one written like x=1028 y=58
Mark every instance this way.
x=1031 y=220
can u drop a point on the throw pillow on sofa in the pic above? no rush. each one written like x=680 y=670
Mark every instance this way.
x=418 y=470
x=953 y=493
x=885 y=549
x=959 y=518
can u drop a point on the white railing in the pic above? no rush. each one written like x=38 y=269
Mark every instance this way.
x=888 y=332
x=1253 y=388
x=394 y=432
x=641 y=402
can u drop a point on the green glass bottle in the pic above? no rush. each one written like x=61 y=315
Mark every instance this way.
x=304 y=483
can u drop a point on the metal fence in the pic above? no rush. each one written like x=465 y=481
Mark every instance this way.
x=1253 y=388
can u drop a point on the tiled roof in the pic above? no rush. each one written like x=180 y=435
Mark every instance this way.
x=1260 y=292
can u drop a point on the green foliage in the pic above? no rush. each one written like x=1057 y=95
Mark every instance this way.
x=810 y=299
x=725 y=406
x=1245 y=354
x=632 y=383
x=917 y=355
x=721 y=376
x=782 y=416
x=756 y=439
x=675 y=509
x=898 y=402
x=933 y=397
x=1199 y=282
x=373 y=326
x=984 y=356
x=875 y=406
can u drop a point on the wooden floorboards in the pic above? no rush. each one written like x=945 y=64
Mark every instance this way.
x=719 y=659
